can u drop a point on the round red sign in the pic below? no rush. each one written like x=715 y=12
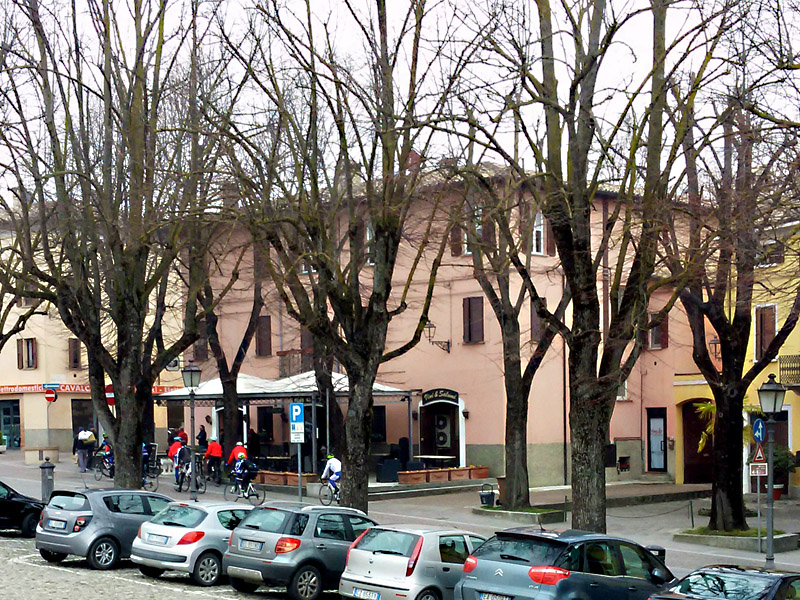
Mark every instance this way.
x=50 y=395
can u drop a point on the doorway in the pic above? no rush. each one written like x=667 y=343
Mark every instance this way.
x=9 y=422
x=439 y=431
x=697 y=464
x=657 y=439
x=82 y=414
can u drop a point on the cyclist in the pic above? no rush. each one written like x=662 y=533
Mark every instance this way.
x=183 y=460
x=214 y=457
x=237 y=450
x=243 y=471
x=172 y=454
x=333 y=472
x=106 y=453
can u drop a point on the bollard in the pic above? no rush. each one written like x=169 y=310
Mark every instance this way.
x=48 y=482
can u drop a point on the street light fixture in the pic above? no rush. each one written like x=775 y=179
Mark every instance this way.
x=191 y=380
x=770 y=397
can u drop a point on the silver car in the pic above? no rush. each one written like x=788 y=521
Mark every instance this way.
x=187 y=537
x=98 y=524
x=406 y=563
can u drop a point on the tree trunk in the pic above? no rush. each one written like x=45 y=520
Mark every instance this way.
x=144 y=398
x=516 y=492
x=358 y=431
x=727 y=508
x=231 y=416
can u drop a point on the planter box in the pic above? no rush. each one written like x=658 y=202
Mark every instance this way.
x=478 y=472
x=459 y=474
x=435 y=475
x=273 y=478
x=291 y=478
x=412 y=476
x=786 y=542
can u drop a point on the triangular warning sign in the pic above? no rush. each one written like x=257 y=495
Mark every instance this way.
x=759 y=457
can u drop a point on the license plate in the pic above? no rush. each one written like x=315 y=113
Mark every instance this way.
x=485 y=596
x=366 y=594
x=156 y=539
x=53 y=524
x=250 y=545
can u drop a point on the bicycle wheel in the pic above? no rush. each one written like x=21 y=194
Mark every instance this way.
x=325 y=495
x=231 y=492
x=98 y=472
x=201 y=484
x=255 y=496
x=151 y=483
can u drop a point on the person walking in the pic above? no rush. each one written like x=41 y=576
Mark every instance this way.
x=83 y=446
x=202 y=438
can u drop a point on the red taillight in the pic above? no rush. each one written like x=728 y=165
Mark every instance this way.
x=470 y=564
x=286 y=544
x=191 y=538
x=353 y=545
x=41 y=518
x=547 y=575
x=80 y=523
x=139 y=533
x=412 y=562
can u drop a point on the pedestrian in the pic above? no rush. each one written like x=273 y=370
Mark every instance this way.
x=183 y=435
x=202 y=439
x=84 y=444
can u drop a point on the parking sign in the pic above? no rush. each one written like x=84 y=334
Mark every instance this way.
x=297 y=427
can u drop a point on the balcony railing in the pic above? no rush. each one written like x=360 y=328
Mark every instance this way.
x=789 y=369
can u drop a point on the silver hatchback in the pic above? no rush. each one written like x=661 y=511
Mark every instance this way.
x=187 y=537
x=98 y=524
x=406 y=563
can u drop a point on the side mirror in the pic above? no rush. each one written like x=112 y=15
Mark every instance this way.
x=659 y=576
x=658 y=551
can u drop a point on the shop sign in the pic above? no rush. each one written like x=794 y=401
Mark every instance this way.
x=439 y=394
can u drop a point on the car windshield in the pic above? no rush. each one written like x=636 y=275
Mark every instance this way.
x=265 y=519
x=736 y=586
x=387 y=541
x=531 y=550
x=179 y=516
x=67 y=501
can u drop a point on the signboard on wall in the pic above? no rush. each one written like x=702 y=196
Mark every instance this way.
x=439 y=394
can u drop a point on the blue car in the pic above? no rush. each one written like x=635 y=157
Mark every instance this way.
x=526 y=564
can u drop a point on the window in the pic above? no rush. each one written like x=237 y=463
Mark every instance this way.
x=475 y=541
x=456 y=241
x=157 y=504
x=331 y=527
x=201 y=345
x=179 y=516
x=298 y=525
x=453 y=549
x=264 y=336
x=477 y=223
x=230 y=519
x=473 y=320
x=537 y=246
x=772 y=253
x=622 y=391
x=265 y=519
x=4 y=491
x=129 y=504
x=766 y=318
x=74 y=352
x=636 y=562
x=359 y=525
x=537 y=323
x=599 y=559
x=26 y=353
x=658 y=336
x=387 y=540
x=378 y=424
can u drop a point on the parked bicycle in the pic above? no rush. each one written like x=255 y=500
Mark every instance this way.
x=233 y=491
x=185 y=479
x=150 y=476
x=328 y=493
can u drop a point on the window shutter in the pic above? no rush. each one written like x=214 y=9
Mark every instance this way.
x=264 y=336
x=74 y=351
x=549 y=238
x=476 y=319
x=306 y=341
x=759 y=332
x=665 y=332
x=465 y=311
x=20 y=353
x=487 y=233
x=33 y=352
x=768 y=333
x=525 y=233
x=456 y=241
x=644 y=338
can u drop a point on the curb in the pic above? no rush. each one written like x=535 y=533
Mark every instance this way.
x=635 y=500
x=786 y=542
x=544 y=518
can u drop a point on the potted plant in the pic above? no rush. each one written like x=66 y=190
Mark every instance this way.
x=783 y=464
x=2 y=442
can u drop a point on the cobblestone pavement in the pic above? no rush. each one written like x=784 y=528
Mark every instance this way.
x=25 y=576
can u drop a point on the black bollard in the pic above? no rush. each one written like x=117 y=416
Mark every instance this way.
x=48 y=480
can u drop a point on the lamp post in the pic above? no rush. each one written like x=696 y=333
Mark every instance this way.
x=770 y=397
x=191 y=380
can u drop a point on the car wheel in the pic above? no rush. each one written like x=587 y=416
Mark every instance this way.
x=29 y=525
x=150 y=571
x=207 y=569
x=52 y=557
x=428 y=595
x=240 y=585
x=103 y=554
x=306 y=584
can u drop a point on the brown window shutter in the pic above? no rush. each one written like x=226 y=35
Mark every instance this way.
x=20 y=353
x=759 y=331
x=264 y=336
x=644 y=338
x=665 y=332
x=487 y=233
x=306 y=341
x=525 y=233
x=549 y=238
x=33 y=348
x=456 y=241
x=476 y=319
x=465 y=311
x=768 y=333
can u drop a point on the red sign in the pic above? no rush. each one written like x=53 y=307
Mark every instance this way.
x=759 y=455
x=50 y=395
x=110 y=394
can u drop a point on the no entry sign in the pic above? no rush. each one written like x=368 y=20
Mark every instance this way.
x=50 y=395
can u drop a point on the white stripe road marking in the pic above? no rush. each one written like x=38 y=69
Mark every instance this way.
x=22 y=560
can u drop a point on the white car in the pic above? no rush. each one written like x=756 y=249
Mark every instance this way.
x=406 y=563
x=188 y=537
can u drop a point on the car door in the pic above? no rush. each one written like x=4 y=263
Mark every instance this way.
x=331 y=541
x=595 y=571
x=638 y=566
x=9 y=510
x=452 y=552
x=128 y=511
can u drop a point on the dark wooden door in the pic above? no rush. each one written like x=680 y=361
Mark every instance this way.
x=696 y=465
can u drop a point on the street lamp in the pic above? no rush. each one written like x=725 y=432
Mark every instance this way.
x=770 y=397
x=191 y=380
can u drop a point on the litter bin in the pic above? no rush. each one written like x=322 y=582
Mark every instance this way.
x=487 y=495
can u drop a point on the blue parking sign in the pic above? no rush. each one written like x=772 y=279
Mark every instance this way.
x=758 y=430
x=296 y=412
